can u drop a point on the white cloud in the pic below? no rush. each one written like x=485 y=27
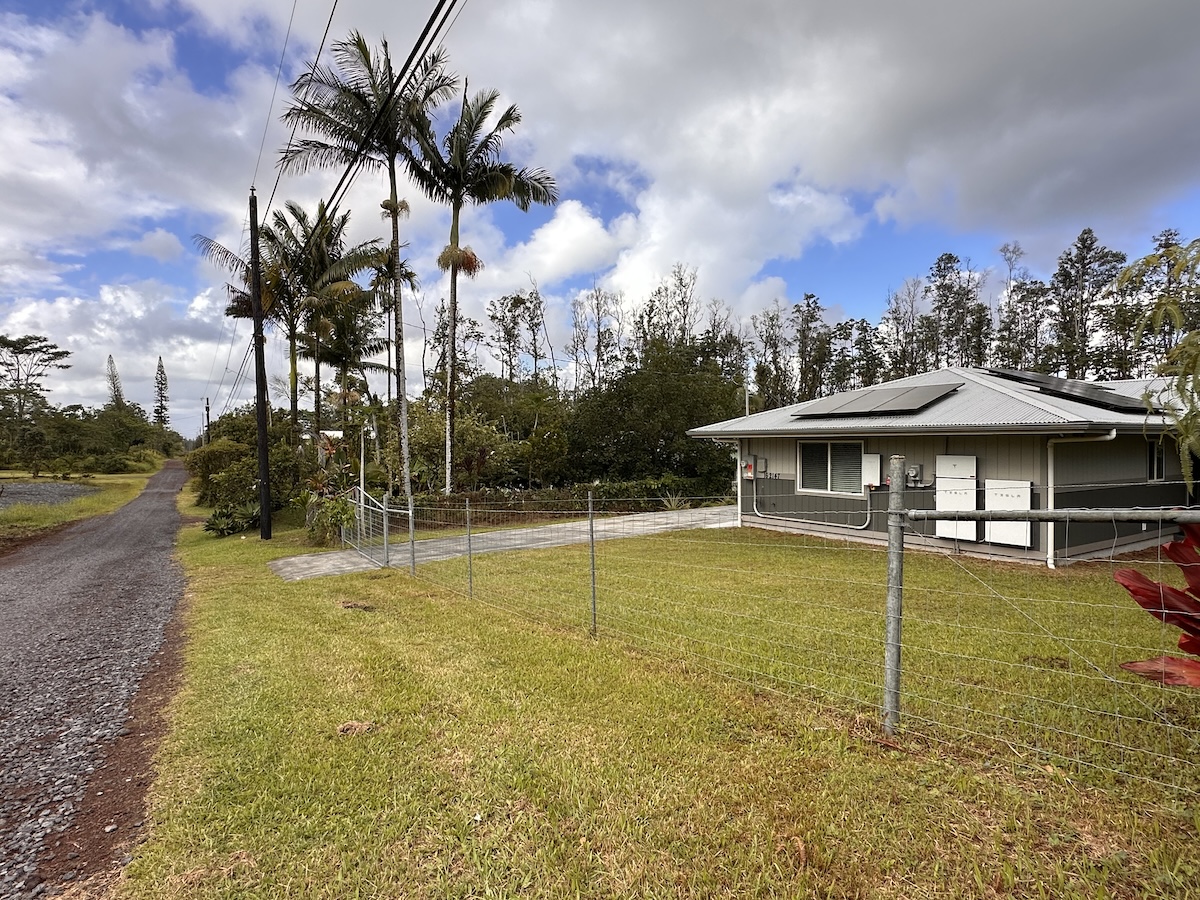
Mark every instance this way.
x=725 y=136
x=158 y=244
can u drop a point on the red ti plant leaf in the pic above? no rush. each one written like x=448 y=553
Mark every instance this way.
x=1167 y=670
x=1185 y=555
x=1162 y=601
x=1191 y=533
x=1189 y=643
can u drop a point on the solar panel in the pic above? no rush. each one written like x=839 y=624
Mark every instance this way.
x=907 y=399
x=1079 y=391
x=919 y=397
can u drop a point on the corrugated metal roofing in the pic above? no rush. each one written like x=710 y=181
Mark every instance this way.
x=984 y=403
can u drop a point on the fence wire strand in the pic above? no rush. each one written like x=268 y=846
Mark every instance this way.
x=999 y=657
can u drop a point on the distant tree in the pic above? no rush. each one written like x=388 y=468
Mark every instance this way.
x=597 y=334
x=505 y=339
x=636 y=427
x=162 y=415
x=670 y=314
x=963 y=323
x=1180 y=365
x=1086 y=272
x=116 y=395
x=1161 y=279
x=813 y=342
x=911 y=335
x=1120 y=354
x=1023 y=338
x=773 y=375
x=24 y=363
x=869 y=361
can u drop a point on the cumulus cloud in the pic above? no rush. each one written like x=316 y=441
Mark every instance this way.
x=726 y=136
x=158 y=244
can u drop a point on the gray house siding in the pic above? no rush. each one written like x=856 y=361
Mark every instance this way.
x=1091 y=475
x=1111 y=474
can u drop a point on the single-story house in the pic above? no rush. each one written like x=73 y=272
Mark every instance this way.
x=972 y=438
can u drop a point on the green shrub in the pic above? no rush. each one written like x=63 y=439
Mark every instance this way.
x=324 y=517
x=226 y=473
x=212 y=459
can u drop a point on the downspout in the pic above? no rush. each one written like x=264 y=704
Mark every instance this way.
x=863 y=527
x=1089 y=439
x=737 y=476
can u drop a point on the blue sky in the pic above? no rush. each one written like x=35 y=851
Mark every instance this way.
x=779 y=147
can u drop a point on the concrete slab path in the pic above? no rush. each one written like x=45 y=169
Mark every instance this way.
x=539 y=537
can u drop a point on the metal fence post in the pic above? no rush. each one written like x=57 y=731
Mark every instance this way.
x=412 y=541
x=386 y=528
x=592 y=543
x=895 y=595
x=470 y=560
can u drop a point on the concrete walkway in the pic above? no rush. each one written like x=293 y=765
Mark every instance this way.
x=540 y=537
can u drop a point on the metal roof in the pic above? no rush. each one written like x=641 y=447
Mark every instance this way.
x=983 y=402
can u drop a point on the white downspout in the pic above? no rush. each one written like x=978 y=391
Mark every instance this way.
x=1088 y=439
x=741 y=454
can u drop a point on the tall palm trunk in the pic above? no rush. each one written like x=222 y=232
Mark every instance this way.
x=451 y=375
x=293 y=385
x=452 y=348
x=316 y=388
x=398 y=313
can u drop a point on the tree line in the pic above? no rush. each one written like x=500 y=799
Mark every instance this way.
x=38 y=437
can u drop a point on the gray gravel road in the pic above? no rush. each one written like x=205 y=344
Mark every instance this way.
x=80 y=614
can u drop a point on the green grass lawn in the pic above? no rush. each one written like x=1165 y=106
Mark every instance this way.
x=22 y=521
x=493 y=749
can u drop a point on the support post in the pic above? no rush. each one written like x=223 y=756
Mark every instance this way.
x=412 y=540
x=592 y=544
x=470 y=559
x=386 y=513
x=895 y=596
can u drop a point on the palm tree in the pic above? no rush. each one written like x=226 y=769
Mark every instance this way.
x=280 y=303
x=465 y=167
x=361 y=116
x=306 y=269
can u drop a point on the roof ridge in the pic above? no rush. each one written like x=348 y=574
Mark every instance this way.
x=981 y=379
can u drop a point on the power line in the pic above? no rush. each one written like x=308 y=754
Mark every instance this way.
x=275 y=89
x=292 y=136
x=429 y=37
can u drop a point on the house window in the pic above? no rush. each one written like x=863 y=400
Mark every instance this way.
x=1156 y=461
x=833 y=466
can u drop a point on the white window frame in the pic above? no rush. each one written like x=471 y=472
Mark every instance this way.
x=828 y=469
x=1156 y=462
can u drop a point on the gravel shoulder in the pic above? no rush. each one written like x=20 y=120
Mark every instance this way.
x=88 y=615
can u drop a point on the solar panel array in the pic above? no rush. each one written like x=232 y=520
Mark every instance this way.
x=1079 y=391
x=872 y=401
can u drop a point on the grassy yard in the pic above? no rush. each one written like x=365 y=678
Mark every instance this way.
x=22 y=521
x=375 y=736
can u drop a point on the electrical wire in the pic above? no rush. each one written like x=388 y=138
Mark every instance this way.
x=292 y=136
x=275 y=89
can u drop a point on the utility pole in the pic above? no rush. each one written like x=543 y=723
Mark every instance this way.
x=207 y=424
x=260 y=378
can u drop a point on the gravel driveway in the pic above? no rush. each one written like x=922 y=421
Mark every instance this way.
x=81 y=615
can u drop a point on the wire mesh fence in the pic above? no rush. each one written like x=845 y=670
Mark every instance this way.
x=1008 y=659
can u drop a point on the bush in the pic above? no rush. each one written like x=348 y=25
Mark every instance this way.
x=233 y=520
x=212 y=459
x=325 y=516
x=226 y=474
